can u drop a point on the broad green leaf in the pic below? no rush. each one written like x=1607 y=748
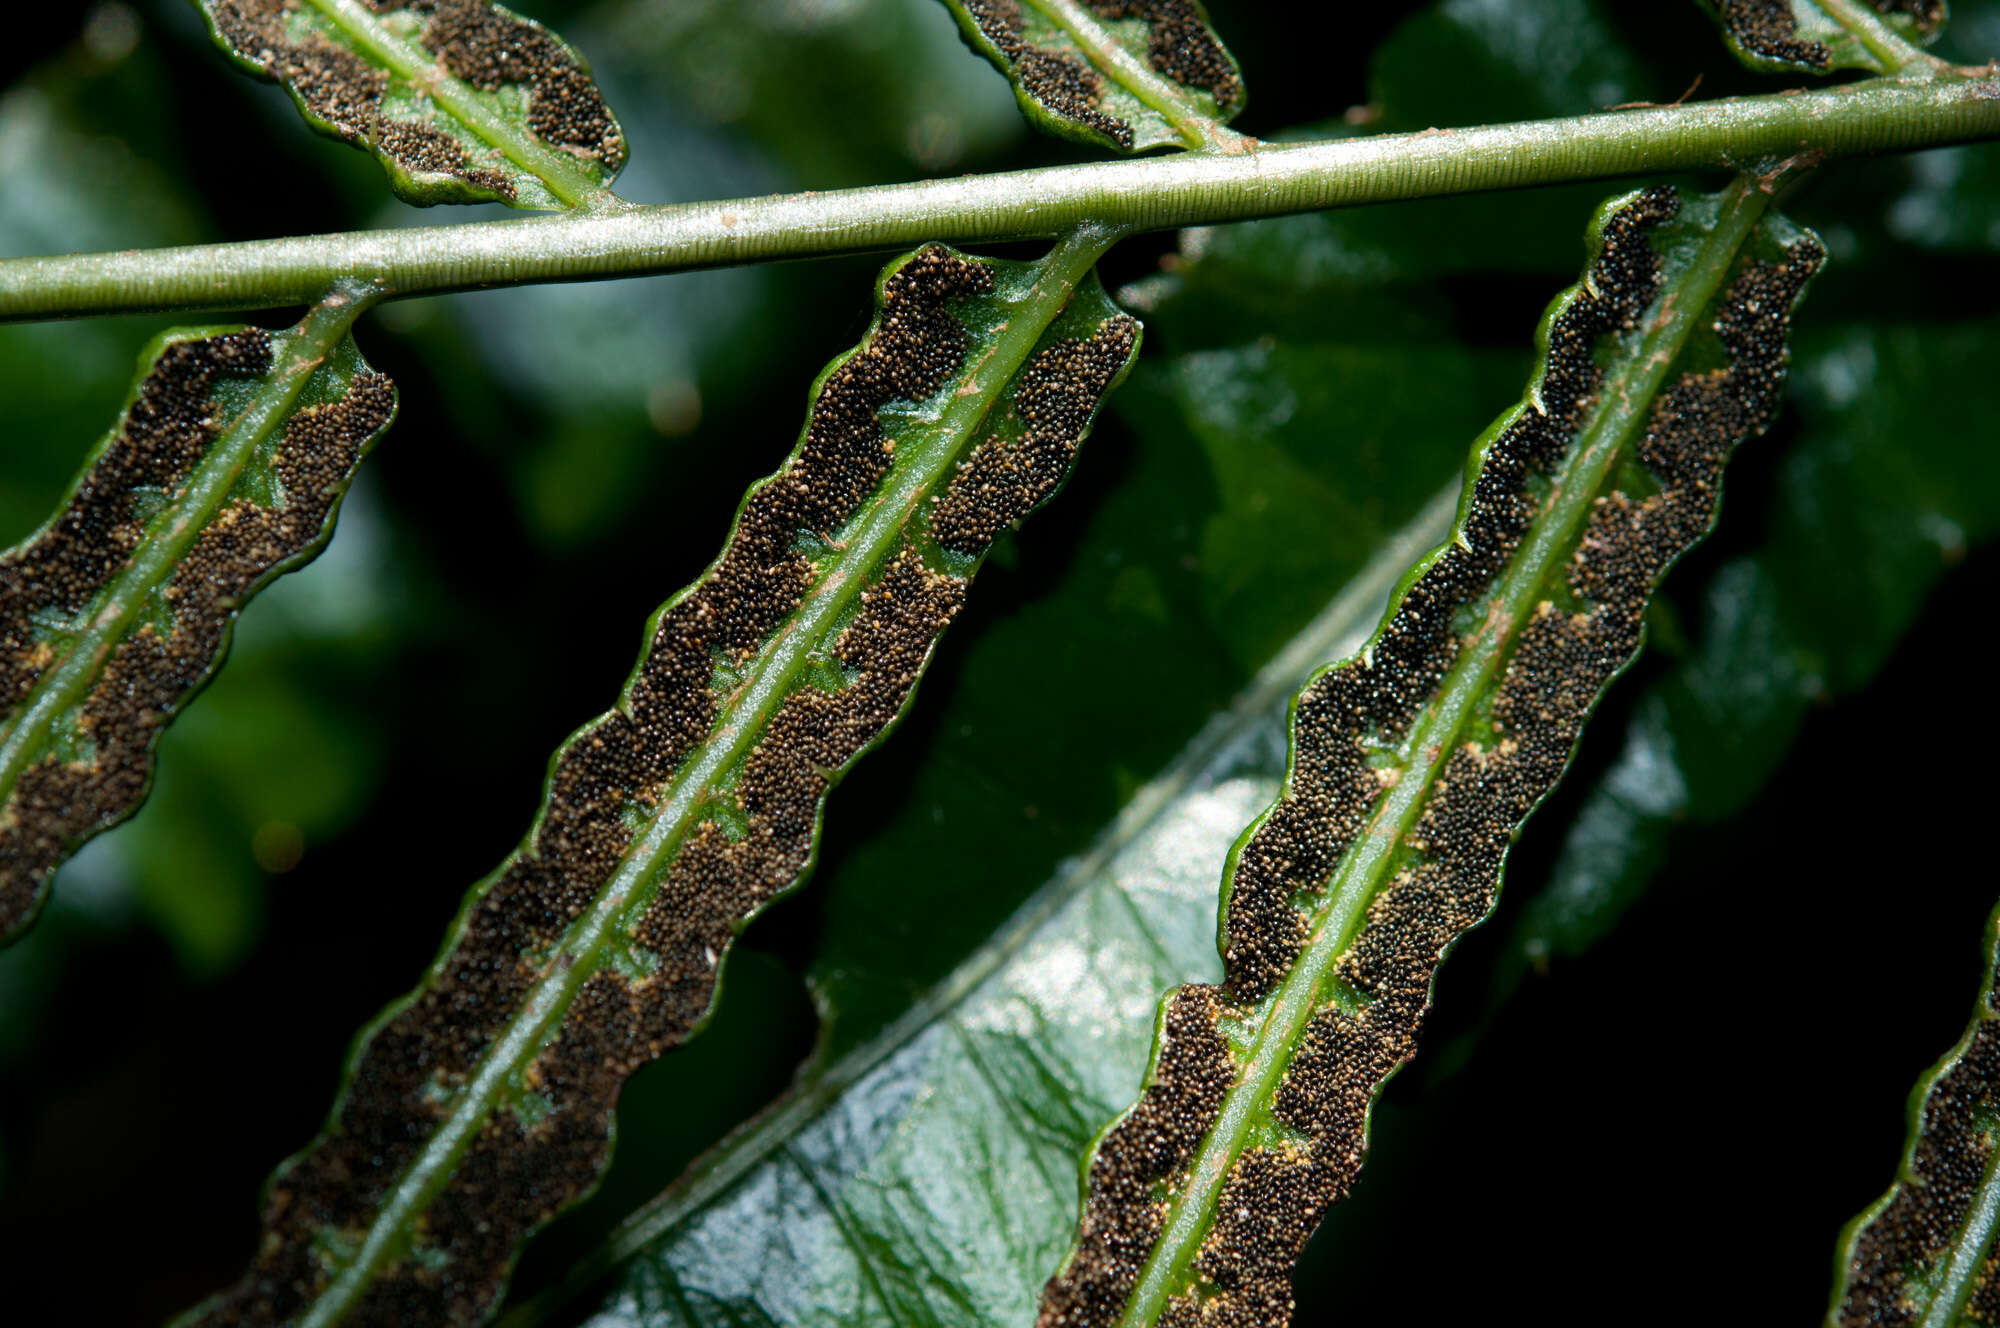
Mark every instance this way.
x=226 y=469
x=462 y=101
x=1124 y=74
x=1820 y=36
x=1923 y=1254
x=480 y=1105
x=850 y=1202
x=1414 y=765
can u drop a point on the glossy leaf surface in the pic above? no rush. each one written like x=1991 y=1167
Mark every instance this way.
x=1125 y=74
x=228 y=468
x=482 y=1104
x=460 y=100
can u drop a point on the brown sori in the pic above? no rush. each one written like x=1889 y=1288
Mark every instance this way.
x=1770 y=28
x=57 y=575
x=1274 y=1196
x=753 y=840
x=486 y=46
x=1180 y=46
x=1905 y=1244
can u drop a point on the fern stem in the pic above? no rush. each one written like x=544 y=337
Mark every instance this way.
x=1154 y=193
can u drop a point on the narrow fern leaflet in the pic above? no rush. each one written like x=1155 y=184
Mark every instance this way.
x=227 y=468
x=1925 y=1253
x=1123 y=74
x=482 y=1104
x=1786 y=36
x=1413 y=766
x=460 y=100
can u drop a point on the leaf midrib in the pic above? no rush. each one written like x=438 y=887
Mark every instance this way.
x=740 y=723
x=1897 y=54
x=173 y=530
x=557 y=172
x=1624 y=396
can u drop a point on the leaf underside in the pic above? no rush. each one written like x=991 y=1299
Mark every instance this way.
x=1787 y=36
x=481 y=1105
x=226 y=469
x=1125 y=74
x=1413 y=766
x=1924 y=1252
x=462 y=101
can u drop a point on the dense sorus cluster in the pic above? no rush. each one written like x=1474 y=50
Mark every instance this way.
x=490 y=47
x=1062 y=84
x=1769 y=29
x=1275 y=1194
x=1004 y=479
x=750 y=842
x=60 y=574
x=1181 y=45
x=1909 y=1239
x=1123 y=1216
x=343 y=90
x=484 y=45
x=149 y=676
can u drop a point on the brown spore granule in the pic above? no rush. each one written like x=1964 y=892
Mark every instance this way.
x=490 y=47
x=1060 y=83
x=480 y=43
x=516 y=1175
x=1181 y=46
x=56 y=804
x=1274 y=1196
x=1058 y=393
x=1768 y=28
x=1958 y=1129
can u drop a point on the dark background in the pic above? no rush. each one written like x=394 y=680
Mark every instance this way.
x=1671 y=1127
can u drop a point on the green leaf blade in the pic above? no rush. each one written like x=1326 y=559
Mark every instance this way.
x=479 y=1106
x=1821 y=36
x=1130 y=75
x=1414 y=765
x=462 y=101
x=1923 y=1253
x=226 y=470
